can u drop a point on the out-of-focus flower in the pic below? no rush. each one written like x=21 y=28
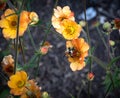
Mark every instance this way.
x=46 y=46
x=18 y=82
x=70 y=29
x=82 y=23
x=9 y=22
x=90 y=76
x=32 y=91
x=8 y=65
x=107 y=26
x=59 y=15
x=112 y=43
x=77 y=50
x=117 y=23
x=2 y=4
x=34 y=18
x=45 y=95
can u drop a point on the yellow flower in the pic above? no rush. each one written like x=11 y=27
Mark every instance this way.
x=18 y=82
x=77 y=50
x=8 y=65
x=9 y=22
x=70 y=29
x=32 y=91
x=59 y=15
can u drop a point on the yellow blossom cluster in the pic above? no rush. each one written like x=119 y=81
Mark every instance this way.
x=9 y=22
x=63 y=21
x=21 y=86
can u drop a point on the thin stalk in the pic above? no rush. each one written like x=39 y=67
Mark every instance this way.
x=31 y=39
x=88 y=35
x=88 y=40
x=109 y=53
x=89 y=88
x=3 y=76
x=108 y=90
x=109 y=58
x=22 y=50
x=102 y=38
x=112 y=81
x=11 y=5
x=49 y=26
x=16 y=45
x=38 y=68
x=56 y=4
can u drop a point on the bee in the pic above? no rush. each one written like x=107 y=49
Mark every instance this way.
x=70 y=51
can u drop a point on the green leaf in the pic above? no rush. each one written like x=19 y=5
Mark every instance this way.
x=114 y=60
x=5 y=93
x=98 y=61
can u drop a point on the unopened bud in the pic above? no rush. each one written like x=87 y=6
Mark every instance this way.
x=34 y=18
x=82 y=23
x=107 y=26
x=45 y=95
x=90 y=76
x=112 y=43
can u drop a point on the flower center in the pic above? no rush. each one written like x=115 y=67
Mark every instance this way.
x=13 y=23
x=9 y=69
x=70 y=30
x=20 y=84
x=62 y=18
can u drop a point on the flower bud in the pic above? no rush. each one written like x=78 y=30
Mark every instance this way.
x=107 y=26
x=111 y=42
x=34 y=18
x=90 y=76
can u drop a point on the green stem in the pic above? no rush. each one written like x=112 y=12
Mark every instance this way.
x=108 y=90
x=16 y=45
x=88 y=40
x=99 y=62
x=31 y=39
x=38 y=68
x=11 y=5
x=3 y=76
x=89 y=88
x=49 y=26
x=56 y=4
x=112 y=81
x=22 y=50
x=102 y=38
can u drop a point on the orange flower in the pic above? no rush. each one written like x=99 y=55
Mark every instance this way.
x=77 y=50
x=8 y=65
x=59 y=15
x=70 y=29
x=9 y=22
x=18 y=82
x=32 y=90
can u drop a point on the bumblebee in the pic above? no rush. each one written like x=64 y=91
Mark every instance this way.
x=70 y=51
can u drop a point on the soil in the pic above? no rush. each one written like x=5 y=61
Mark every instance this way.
x=55 y=75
